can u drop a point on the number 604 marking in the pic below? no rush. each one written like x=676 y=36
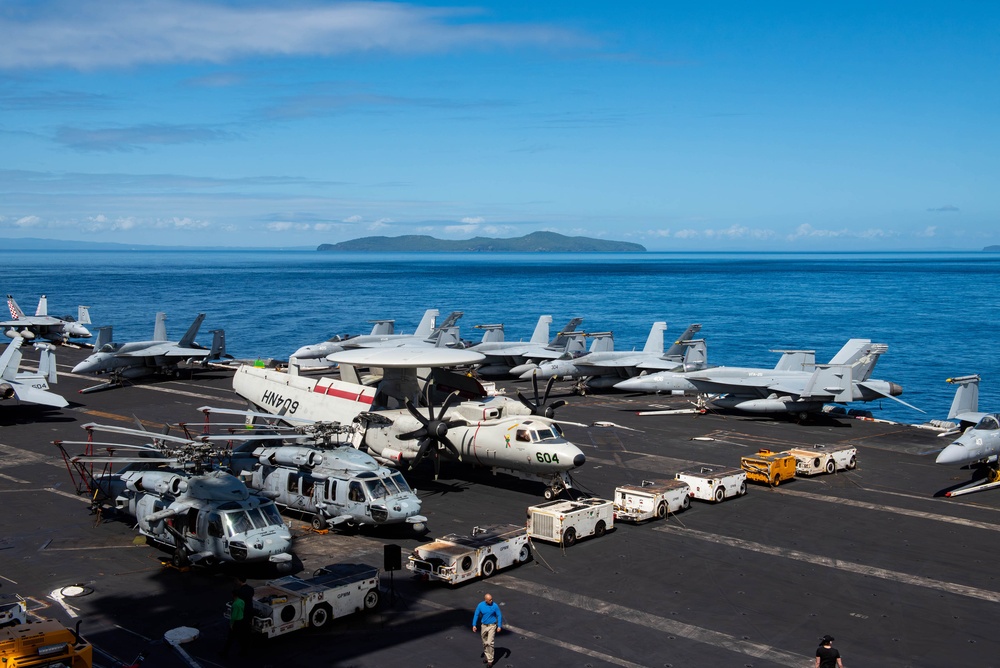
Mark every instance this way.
x=546 y=458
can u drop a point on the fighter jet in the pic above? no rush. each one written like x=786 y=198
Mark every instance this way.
x=516 y=357
x=45 y=326
x=979 y=444
x=796 y=385
x=125 y=361
x=382 y=331
x=605 y=368
x=27 y=386
x=398 y=424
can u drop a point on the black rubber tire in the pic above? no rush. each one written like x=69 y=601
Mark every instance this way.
x=179 y=558
x=489 y=567
x=600 y=528
x=830 y=466
x=371 y=599
x=569 y=537
x=525 y=554
x=777 y=480
x=686 y=503
x=549 y=494
x=318 y=522
x=720 y=495
x=320 y=616
x=743 y=489
x=661 y=510
x=853 y=464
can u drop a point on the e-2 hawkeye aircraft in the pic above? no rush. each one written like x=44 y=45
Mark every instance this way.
x=25 y=385
x=202 y=514
x=399 y=426
x=979 y=443
x=322 y=475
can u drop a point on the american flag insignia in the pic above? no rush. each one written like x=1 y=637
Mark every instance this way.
x=13 y=311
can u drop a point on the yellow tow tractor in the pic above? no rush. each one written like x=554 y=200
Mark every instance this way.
x=768 y=467
x=44 y=643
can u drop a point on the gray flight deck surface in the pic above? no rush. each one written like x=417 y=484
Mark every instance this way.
x=898 y=574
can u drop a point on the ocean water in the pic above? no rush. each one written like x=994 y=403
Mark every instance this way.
x=936 y=311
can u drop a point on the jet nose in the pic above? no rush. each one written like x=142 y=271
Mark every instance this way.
x=579 y=460
x=952 y=454
x=630 y=385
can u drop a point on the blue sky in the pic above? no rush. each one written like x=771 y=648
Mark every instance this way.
x=678 y=125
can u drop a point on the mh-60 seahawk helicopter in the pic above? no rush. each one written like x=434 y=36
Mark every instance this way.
x=324 y=476
x=180 y=500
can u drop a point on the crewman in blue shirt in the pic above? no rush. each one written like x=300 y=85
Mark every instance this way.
x=488 y=615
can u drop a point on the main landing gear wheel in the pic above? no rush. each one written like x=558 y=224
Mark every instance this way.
x=318 y=522
x=179 y=559
x=550 y=493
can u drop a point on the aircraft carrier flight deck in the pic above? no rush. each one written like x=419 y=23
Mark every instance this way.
x=877 y=557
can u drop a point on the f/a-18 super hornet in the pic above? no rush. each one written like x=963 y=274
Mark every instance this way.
x=45 y=326
x=515 y=357
x=179 y=497
x=27 y=386
x=606 y=368
x=313 y=469
x=979 y=443
x=127 y=361
x=398 y=423
x=383 y=332
x=796 y=385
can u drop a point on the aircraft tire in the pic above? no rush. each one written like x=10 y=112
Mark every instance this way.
x=320 y=616
x=830 y=466
x=318 y=522
x=371 y=599
x=549 y=494
x=179 y=558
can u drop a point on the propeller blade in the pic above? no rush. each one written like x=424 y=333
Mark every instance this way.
x=451 y=446
x=548 y=388
x=524 y=400
x=421 y=452
x=414 y=412
x=451 y=400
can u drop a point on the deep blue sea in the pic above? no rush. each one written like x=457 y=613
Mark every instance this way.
x=937 y=311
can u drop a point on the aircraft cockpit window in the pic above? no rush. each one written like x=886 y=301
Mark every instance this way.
x=400 y=481
x=355 y=492
x=214 y=526
x=376 y=489
x=257 y=517
x=108 y=348
x=988 y=422
x=271 y=514
x=237 y=522
x=522 y=435
x=545 y=434
x=557 y=429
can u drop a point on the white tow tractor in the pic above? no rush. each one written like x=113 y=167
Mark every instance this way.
x=13 y=610
x=714 y=483
x=824 y=459
x=291 y=603
x=564 y=522
x=456 y=558
x=651 y=499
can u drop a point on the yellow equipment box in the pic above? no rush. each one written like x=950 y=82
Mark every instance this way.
x=769 y=468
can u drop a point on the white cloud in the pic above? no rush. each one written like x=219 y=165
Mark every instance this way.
x=473 y=220
x=353 y=219
x=929 y=231
x=460 y=229
x=28 y=221
x=687 y=234
x=380 y=224
x=126 y=33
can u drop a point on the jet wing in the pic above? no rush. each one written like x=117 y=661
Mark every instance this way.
x=405 y=357
x=971 y=416
x=36 y=396
x=34 y=321
x=165 y=350
x=711 y=385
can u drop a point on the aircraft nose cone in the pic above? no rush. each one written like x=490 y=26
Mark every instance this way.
x=630 y=384
x=953 y=454
x=579 y=460
x=82 y=367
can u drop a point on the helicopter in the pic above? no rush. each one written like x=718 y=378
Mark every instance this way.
x=179 y=498
x=324 y=476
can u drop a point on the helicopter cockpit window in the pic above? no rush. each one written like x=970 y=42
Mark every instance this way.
x=989 y=422
x=355 y=492
x=192 y=521
x=376 y=489
x=257 y=517
x=400 y=481
x=237 y=522
x=271 y=513
x=522 y=435
x=215 y=526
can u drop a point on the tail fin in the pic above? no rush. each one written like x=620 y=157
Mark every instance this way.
x=966 y=396
x=43 y=306
x=83 y=315
x=187 y=340
x=603 y=342
x=654 y=342
x=576 y=342
x=491 y=333
x=851 y=352
x=695 y=354
x=541 y=334
x=15 y=311
x=11 y=358
x=865 y=364
x=679 y=349
x=426 y=325
x=830 y=382
x=218 y=344
x=160 y=328
x=47 y=362
x=795 y=360
x=383 y=327
x=103 y=338
x=562 y=337
x=442 y=330
x=447 y=338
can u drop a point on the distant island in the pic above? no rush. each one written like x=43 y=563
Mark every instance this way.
x=536 y=242
x=992 y=249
